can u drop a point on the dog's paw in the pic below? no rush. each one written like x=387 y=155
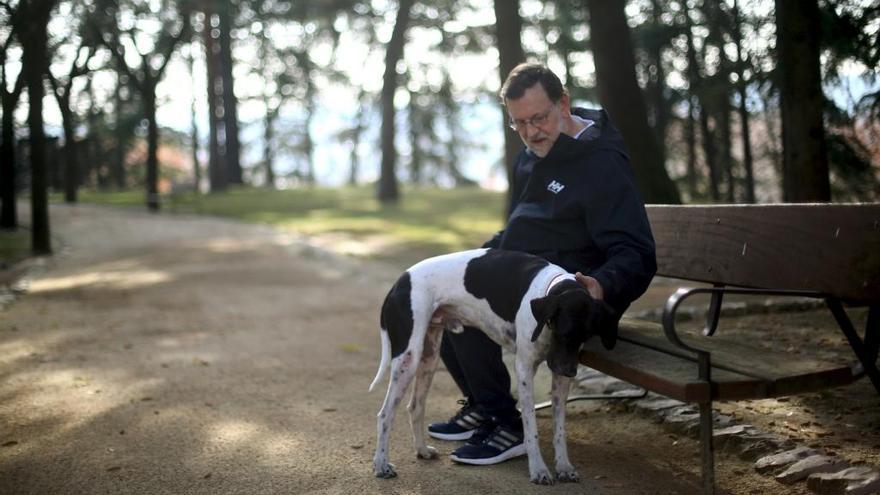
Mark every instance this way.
x=427 y=452
x=385 y=470
x=567 y=475
x=541 y=477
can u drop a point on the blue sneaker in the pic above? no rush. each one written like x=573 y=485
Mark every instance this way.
x=459 y=427
x=502 y=444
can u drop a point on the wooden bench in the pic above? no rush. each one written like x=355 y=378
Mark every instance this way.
x=825 y=251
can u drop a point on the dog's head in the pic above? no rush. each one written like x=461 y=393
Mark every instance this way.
x=573 y=317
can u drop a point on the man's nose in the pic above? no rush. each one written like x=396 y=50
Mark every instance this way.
x=531 y=130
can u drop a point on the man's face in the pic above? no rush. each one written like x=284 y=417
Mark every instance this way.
x=538 y=120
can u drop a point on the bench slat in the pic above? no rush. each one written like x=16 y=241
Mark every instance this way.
x=645 y=358
x=829 y=248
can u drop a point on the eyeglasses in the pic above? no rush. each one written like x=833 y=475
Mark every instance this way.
x=536 y=121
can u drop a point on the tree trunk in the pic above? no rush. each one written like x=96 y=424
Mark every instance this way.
x=357 y=133
x=805 y=161
x=719 y=91
x=119 y=148
x=748 y=165
x=451 y=113
x=230 y=102
x=34 y=40
x=308 y=142
x=724 y=128
x=508 y=29
x=388 y=189
x=657 y=85
x=71 y=172
x=710 y=152
x=690 y=133
x=415 y=131
x=309 y=152
x=94 y=145
x=71 y=157
x=698 y=91
x=8 y=179
x=620 y=94
x=269 y=143
x=194 y=130
x=217 y=170
x=149 y=101
x=773 y=131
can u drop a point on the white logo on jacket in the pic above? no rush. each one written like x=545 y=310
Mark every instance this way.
x=555 y=187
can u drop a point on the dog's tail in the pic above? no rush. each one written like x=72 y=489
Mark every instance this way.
x=386 y=358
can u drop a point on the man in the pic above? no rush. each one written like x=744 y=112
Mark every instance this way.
x=575 y=204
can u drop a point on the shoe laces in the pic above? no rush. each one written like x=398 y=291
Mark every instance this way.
x=465 y=410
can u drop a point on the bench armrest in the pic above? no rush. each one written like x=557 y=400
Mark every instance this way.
x=683 y=293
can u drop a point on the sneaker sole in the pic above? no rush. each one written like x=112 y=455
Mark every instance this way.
x=451 y=436
x=510 y=453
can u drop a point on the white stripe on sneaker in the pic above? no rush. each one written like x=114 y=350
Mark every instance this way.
x=468 y=422
x=507 y=435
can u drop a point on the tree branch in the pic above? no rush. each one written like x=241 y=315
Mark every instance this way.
x=172 y=42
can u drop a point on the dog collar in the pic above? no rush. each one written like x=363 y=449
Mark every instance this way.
x=558 y=278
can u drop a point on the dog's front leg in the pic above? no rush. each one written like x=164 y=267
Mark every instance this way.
x=559 y=392
x=424 y=376
x=525 y=374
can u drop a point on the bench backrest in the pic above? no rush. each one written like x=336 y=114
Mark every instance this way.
x=829 y=248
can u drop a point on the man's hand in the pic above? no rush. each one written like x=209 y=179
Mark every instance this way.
x=594 y=288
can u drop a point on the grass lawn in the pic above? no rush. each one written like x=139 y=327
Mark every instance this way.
x=350 y=220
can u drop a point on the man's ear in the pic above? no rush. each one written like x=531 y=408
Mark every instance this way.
x=543 y=309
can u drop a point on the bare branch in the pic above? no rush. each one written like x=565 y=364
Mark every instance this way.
x=7 y=6
x=172 y=44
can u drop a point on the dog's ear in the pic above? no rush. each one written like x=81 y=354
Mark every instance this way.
x=543 y=309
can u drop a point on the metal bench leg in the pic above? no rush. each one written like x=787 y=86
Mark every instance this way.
x=707 y=448
x=704 y=361
x=865 y=350
x=872 y=333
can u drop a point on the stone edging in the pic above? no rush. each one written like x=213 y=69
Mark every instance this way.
x=16 y=279
x=737 y=308
x=772 y=454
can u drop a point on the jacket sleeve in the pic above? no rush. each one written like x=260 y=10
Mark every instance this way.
x=619 y=228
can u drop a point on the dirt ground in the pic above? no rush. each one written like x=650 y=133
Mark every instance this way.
x=180 y=354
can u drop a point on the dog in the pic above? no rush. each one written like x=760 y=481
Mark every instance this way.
x=511 y=296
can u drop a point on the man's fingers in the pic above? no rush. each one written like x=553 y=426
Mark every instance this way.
x=594 y=288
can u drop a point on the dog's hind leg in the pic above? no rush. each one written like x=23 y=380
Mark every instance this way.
x=525 y=374
x=403 y=369
x=424 y=376
x=559 y=393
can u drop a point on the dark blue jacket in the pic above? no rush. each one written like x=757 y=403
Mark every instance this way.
x=578 y=207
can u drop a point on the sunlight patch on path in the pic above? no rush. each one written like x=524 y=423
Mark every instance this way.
x=129 y=279
x=364 y=246
x=232 y=434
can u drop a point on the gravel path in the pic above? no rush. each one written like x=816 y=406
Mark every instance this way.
x=182 y=354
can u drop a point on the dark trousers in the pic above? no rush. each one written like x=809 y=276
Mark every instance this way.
x=474 y=361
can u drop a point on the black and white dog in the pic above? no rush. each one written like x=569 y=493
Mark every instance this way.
x=509 y=295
